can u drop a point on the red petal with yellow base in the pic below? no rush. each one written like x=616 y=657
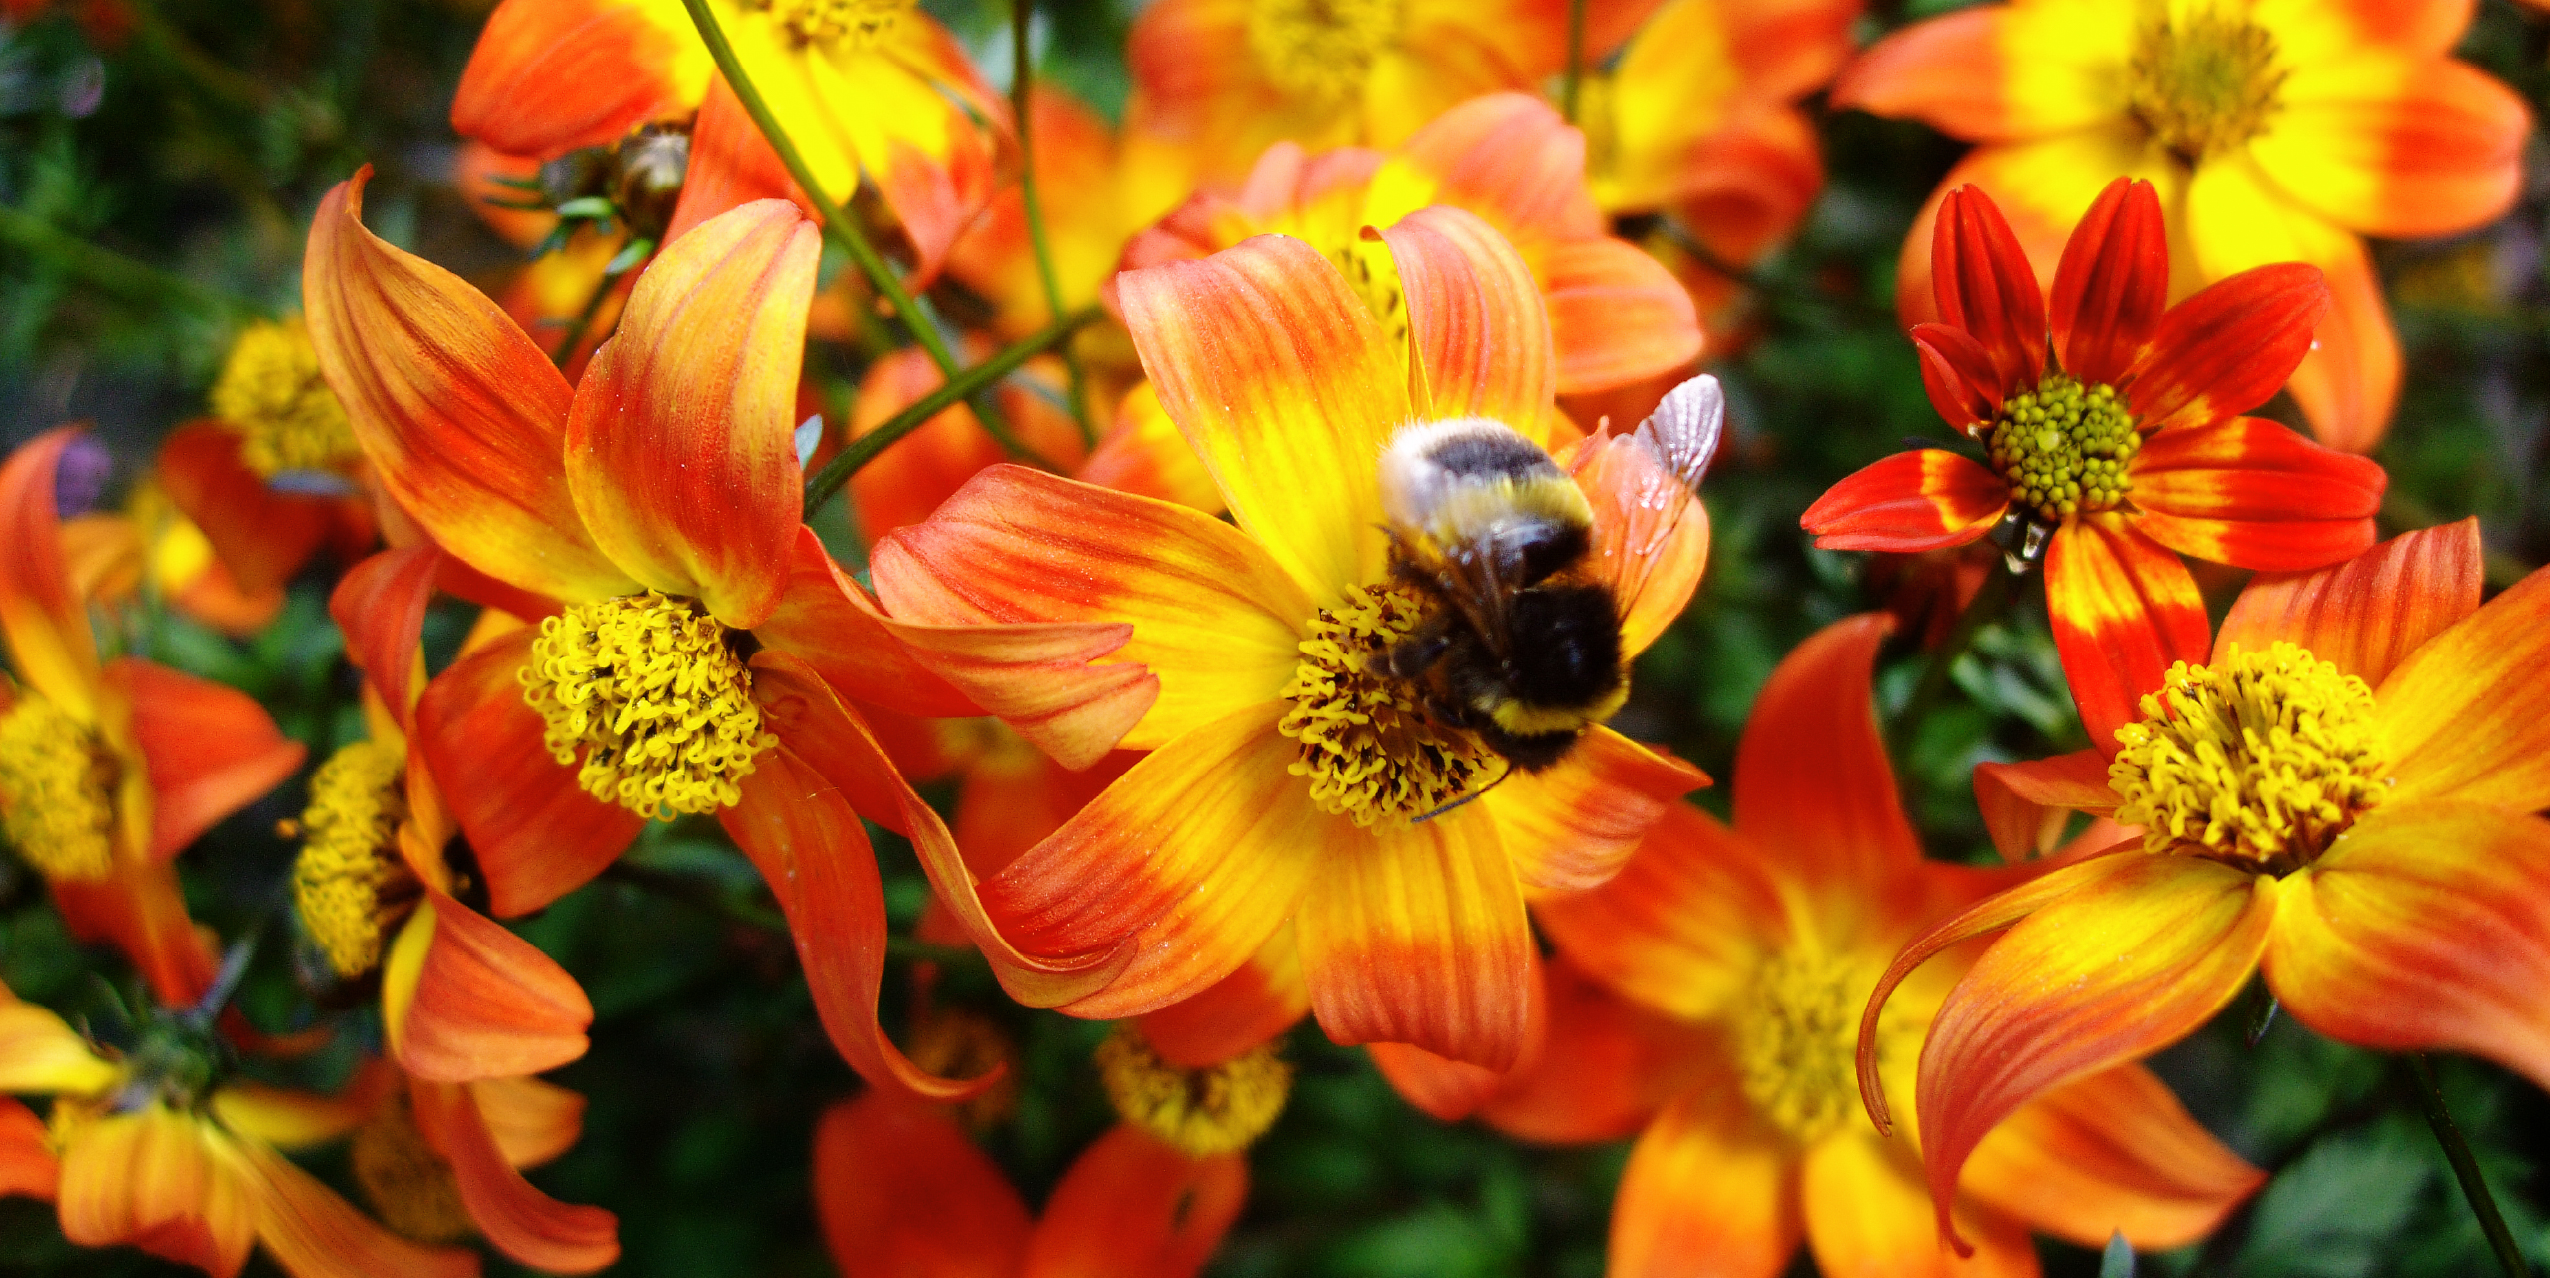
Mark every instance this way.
x=461 y=413
x=1981 y=281
x=2253 y=494
x=1909 y=502
x=1132 y=1207
x=2113 y=284
x=148 y=1179
x=901 y=1193
x=1415 y=934
x=2367 y=614
x=2025 y=805
x=1572 y=827
x=1260 y=999
x=680 y=449
x=263 y=536
x=1812 y=782
x=1477 y=325
x=2142 y=950
x=210 y=749
x=826 y=619
x=537 y=834
x=138 y=909
x=550 y=76
x=27 y=1164
x=2424 y=927
x=2226 y=350
x=2123 y=608
x=2393 y=144
x=525 y=1224
x=2467 y=716
x=1681 y=925
x=2111 y=1153
x=40 y=615
x=466 y=999
x=314 y=1234
x=1045 y=681
x=1707 y=1178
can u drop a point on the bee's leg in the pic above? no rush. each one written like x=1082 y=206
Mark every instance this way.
x=1418 y=650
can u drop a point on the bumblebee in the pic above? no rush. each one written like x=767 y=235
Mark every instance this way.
x=1520 y=644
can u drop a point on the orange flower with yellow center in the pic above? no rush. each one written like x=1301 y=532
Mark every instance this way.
x=2276 y=131
x=1287 y=771
x=2342 y=797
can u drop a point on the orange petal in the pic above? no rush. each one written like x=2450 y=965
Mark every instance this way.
x=2126 y=963
x=526 y=1225
x=1909 y=502
x=27 y=1164
x=40 y=615
x=147 y=1179
x=288 y=1119
x=2015 y=71
x=2044 y=185
x=550 y=76
x=1284 y=384
x=901 y=1193
x=2111 y=1153
x=1416 y=935
x=2368 y=613
x=826 y=619
x=2310 y=30
x=2124 y=608
x=1708 y=1178
x=261 y=535
x=1144 y=454
x=1864 y=1216
x=1607 y=1067
x=462 y=415
x=1512 y=159
x=379 y=605
x=532 y=1121
x=1045 y=681
x=1982 y=282
x=139 y=910
x=1812 y=785
x=314 y=1234
x=1475 y=317
x=1448 y=1090
x=537 y=834
x=2254 y=494
x=1261 y=998
x=2113 y=283
x=1651 y=536
x=1132 y=1207
x=2426 y=926
x=2025 y=805
x=1214 y=618
x=41 y=1053
x=1571 y=827
x=211 y=749
x=2393 y=144
x=1616 y=315
x=908 y=481
x=1681 y=926
x=483 y=1002
x=2228 y=348
x=731 y=165
x=2467 y=715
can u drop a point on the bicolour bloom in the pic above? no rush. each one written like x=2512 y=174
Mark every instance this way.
x=2341 y=797
x=1615 y=314
x=2112 y=423
x=693 y=642
x=1280 y=799
x=109 y=769
x=153 y=1150
x=2276 y=130
x=868 y=90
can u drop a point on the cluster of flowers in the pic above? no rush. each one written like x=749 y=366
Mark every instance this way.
x=1348 y=278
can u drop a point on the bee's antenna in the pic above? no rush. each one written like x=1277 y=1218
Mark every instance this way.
x=1500 y=780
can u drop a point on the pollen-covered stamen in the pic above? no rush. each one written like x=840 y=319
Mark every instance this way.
x=1367 y=744
x=410 y=1186
x=2204 y=82
x=2064 y=447
x=1795 y=1040
x=648 y=700
x=349 y=882
x=1323 y=50
x=57 y=790
x=1220 y=1109
x=835 y=25
x=271 y=392
x=2260 y=759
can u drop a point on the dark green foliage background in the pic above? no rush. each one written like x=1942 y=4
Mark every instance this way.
x=196 y=151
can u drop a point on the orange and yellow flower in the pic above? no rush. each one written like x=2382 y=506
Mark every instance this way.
x=1279 y=799
x=2341 y=796
x=1723 y=975
x=2276 y=130
x=108 y=769
x=2111 y=422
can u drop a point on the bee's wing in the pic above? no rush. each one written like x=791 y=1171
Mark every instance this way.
x=1684 y=429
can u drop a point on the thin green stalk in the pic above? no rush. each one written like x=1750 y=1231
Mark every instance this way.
x=583 y=322
x=1022 y=106
x=1987 y=604
x=2430 y=1097
x=965 y=385
x=1574 y=87
x=129 y=278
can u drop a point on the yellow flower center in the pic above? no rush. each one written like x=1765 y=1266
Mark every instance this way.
x=349 y=869
x=2064 y=447
x=270 y=391
x=407 y=1183
x=649 y=699
x=2259 y=760
x=1367 y=744
x=2205 y=83
x=1795 y=1034
x=57 y=788
x=835 y=26
x=1221 y=1109
x=1322 y=50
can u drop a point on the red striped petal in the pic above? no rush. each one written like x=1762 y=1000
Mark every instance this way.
x=1447 y=1090
x=2254 y=494
x=484 y=1003
x=1812 y=781
x=2226 y=350
x=1983 y=283
x=2124 y=608
x=2113 y=283
x=2368 y=613
x=2026 y=805
x=1476 y=321
x=1911 y=501
x=1957 y=374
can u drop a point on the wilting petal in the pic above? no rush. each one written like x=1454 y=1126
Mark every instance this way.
x=1864 y=1216
x=379 y=605
x=1607 y=1067
x=1260 y=999
x=211 y=749
x=2124 y=608
x=1283 y=382
x=316 y=1235
x=2113 y=284
x=1909 y=502
x=680 y=448
x=1214 y=618
x=901 y=1193
x=2025 y=805
x=1476 y=321
x=27 y=1164
x=1417 y=936
x=1957 y=374
x=1982 y=282
x=2393 y=144
x=1812 y=785
x=528 y=1226
x=2467 y=716
x=261 y=535
x=1708 y=1178
x=2111 y=1153
x=40 y=615
x=2368 y=613
x=1132 y=1207
x=550 y=76
x=147 y=1179
x=537 y=834
x=2425 y=926
x=477 y=1001
x=139 y=910
x=1571 y=827
x=2226 y=350
x=463 y=417
x=2005 y=72
x=1681 y=926
x=1616 y=315
x=2254 y=494
x=1447 y=1090
x=2118 y=968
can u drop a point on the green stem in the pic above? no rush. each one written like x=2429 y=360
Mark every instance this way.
x=2474 y=1186
x=1988 y=602
x=1022 y=105
x=583 y=322
x=131 y=279
x=865 y=448
x=1573 y=87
